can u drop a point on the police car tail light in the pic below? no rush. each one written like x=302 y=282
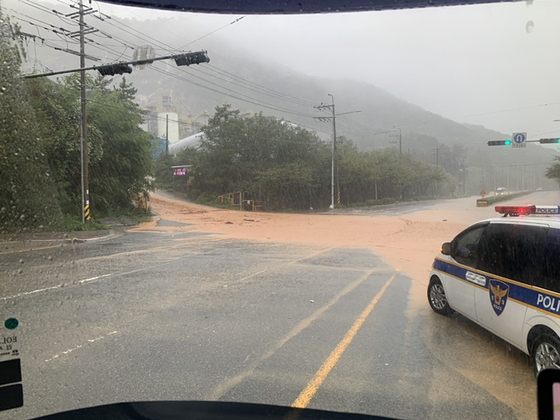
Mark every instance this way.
x=522 y=210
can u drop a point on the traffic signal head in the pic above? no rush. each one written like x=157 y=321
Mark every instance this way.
x=499 y=143
x=550 y=140
x=192 y=58
x=112 y=69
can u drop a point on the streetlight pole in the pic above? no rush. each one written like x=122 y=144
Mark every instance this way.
x=400 y=140
x=437 y=166
x=400 y=144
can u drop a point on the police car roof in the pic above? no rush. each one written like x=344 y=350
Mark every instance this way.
x=550 y=221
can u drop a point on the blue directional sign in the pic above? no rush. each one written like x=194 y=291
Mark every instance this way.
x=519 y=140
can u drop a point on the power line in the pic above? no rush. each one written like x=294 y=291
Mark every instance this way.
x=264 y=88
x=258 y=89
x=180 y=78
x=251 y=101
x=149 y=39
x=262 y=92
x=213 y=32
x=138 y=34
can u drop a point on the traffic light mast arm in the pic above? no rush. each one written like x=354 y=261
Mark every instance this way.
x=508 y=142
x=121 y=63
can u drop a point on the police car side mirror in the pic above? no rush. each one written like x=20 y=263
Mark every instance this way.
x=446 y=248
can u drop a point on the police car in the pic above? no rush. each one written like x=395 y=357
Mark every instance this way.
x=504 y=274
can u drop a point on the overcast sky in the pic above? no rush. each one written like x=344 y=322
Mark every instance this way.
x=494 y=65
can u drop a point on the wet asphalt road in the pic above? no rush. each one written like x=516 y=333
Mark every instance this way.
x=188 y=316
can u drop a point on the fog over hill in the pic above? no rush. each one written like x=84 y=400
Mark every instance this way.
x=251 y=81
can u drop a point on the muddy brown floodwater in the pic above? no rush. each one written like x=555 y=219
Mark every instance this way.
x=408 y=243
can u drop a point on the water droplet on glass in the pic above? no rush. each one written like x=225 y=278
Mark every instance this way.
x=529 y=26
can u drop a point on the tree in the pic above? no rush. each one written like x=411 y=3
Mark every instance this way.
x=57 y=109
x=252 y=153
x=288 y=167
x=553 y=171
x=28 y=198
x=119 y=176
x=119 y=152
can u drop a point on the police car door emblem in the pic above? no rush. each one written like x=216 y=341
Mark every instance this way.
x=498 y=295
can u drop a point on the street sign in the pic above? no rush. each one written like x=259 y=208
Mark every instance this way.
x=519 y=140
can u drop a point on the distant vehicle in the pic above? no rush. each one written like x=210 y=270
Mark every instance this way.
x=503 y=275
x=500 y=191
x=539 y=189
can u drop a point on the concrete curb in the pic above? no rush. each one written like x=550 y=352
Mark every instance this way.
x=109 y=236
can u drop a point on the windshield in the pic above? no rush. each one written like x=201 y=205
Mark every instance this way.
x=247 y=208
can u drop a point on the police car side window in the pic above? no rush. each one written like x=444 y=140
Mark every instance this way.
x=551 y=253
x=465 y=246
x=514 y=252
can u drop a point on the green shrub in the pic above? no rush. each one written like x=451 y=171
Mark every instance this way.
x=381 y=201
x=506 y=197
x=74 y=223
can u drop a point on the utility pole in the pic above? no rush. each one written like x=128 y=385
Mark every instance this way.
x=166 y=134
x=335 y=160
x=81 y=32
x=85 y=174
x=334 y=164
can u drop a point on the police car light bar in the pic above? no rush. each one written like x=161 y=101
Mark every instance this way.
x=522 y=210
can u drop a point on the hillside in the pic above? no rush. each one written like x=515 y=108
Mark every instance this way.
x=251 y=84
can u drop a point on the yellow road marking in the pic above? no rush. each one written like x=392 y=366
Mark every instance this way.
x=330 y=362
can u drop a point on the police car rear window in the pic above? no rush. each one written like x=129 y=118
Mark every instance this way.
x=516 y=252
x=551 y=262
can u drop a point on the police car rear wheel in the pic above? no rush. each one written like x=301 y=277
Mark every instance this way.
x=546 y=353
x=437 y=298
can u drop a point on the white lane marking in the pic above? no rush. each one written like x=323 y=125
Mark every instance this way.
x=94 y=278
x=65 y=352
x=58 y=286
x=32 y=292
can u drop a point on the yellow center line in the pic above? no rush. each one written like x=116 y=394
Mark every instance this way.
x=303 y=400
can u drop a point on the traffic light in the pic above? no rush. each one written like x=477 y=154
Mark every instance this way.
x=192 y=58
x=499 y=142
x=112 y=69
x=550 y=140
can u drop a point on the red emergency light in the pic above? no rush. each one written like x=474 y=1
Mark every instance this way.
x=522 y=210
x=516 y=210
